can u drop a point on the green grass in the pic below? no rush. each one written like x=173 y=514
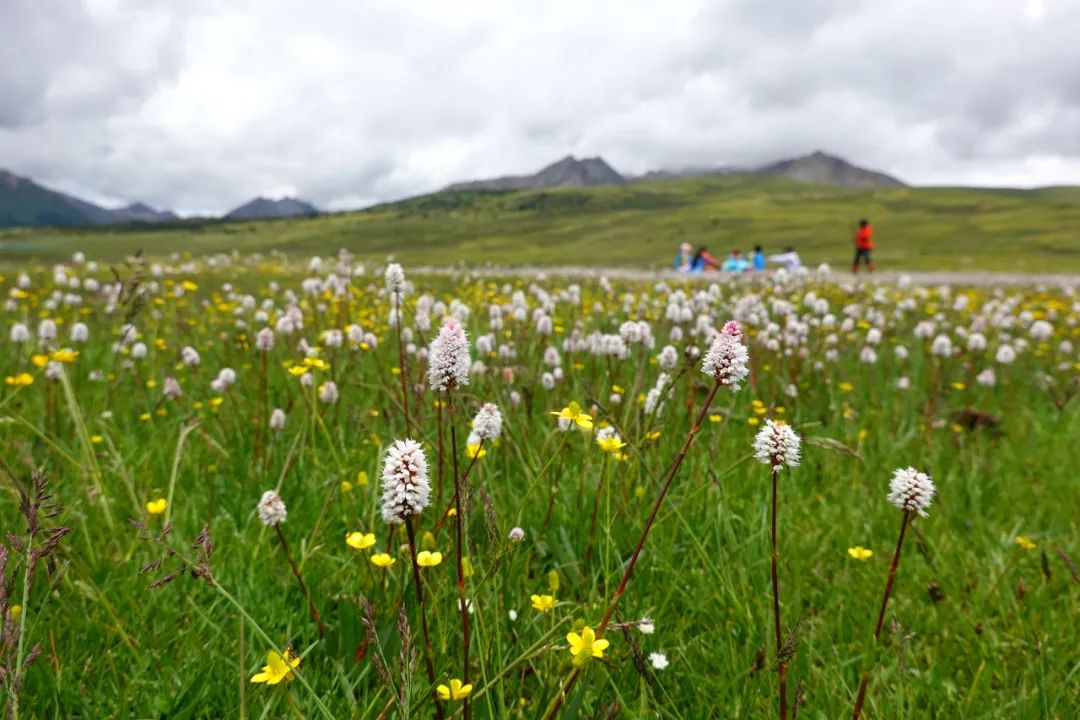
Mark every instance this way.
x=638 y=226
x=977 y=627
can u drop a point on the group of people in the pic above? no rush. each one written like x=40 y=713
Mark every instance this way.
x=736 y=262
x=696 y=262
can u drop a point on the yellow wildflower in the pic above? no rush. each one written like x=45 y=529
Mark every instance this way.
x=543 y=603
x=456 y=691
x=860 y=553
x=359 y=540
x=428 y=559
x=66 y=355
x=586 y=645
x=610 y=443
x=1025 y=542
x=574 y=414
x=277 y=668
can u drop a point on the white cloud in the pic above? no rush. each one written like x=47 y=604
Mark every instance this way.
x=200 y=105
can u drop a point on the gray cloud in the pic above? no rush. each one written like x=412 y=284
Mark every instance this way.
x=199 y=105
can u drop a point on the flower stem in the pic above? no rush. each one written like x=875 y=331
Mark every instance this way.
x=865 y=683
x=656 y=509
x=458 y=520
x=439 y=474
x=303 y=588
x=774 y=556
x=556 y=702
x=468 y=469
x=595 y=508
x=401 y=365
x=428 y=652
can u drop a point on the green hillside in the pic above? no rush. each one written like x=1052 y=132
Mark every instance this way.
x=638 y=225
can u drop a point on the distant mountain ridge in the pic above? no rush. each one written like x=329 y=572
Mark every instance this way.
x=265 y=209
x=24 y=202
x=823 y=169
x=818 y=167
x=567 y=172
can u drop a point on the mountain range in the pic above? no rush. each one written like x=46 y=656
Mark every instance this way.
x=25 y=203
x=265 y=209
x=568 y=172
x=818 y=168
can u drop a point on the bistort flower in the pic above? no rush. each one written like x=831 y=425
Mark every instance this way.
x=776 y=444
x=395 y=282
x=911 y=490
x=406 y=488
x=448 y=357
x=488 y=422
x=271 y=509
x=727 y=358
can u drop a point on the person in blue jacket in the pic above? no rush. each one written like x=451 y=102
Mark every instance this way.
x=759 y=259
x=685 y=259
x=735 y=262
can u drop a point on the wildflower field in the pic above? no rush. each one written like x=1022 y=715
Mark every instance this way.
x=245 y=487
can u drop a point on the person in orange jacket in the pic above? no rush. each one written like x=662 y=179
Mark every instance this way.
x=864 y=243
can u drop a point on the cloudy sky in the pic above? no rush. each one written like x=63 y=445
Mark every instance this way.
x=199 y=105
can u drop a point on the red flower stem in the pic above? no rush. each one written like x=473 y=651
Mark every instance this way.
x=468 y=469
x=865 y=683
x=460 y=566
x=556 y=703
x=774 y=556
x=428 y=652
x=401 y=364
x=300 y=580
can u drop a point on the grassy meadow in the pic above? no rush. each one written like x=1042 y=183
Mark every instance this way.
x=157 y=580
x=637 y=225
